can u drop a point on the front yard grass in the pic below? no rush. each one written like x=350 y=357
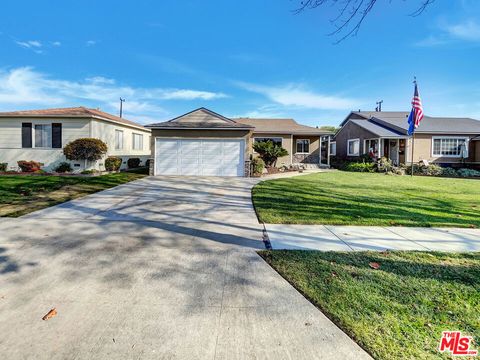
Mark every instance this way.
x=398 y=311
x=347 y=198
x=21 y=194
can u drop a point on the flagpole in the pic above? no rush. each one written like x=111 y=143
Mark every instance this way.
x=413 y=150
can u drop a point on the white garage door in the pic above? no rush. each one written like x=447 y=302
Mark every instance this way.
x=199 y=157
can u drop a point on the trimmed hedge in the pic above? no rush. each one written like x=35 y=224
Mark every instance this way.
x=359 y=167
x=89 y=149
x=3 y=167
x=133 y=163
x=257 y=166
x=113 y=163
x=63 y=167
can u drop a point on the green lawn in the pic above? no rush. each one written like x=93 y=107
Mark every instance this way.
x=398 y=311
x=22 y=194
x=347 y=198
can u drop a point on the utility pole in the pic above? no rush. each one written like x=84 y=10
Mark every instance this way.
x=379 y=105
x=121 y=106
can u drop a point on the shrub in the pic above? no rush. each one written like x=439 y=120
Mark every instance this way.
x=269 y=152
x=448 y=171
x=133 y=163
x=3 y=166
x=147 y=163
x=89 y=172
x=29 y=166
x=113 y=163
x=257 y=166
x=63 y=167
x=468 y=172
x=431 y=170
x=85 y=149
x=384 y=165
x=360 y=167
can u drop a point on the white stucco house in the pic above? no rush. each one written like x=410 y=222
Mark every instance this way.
x=40 y=135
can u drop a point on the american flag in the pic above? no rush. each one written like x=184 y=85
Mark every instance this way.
x=416 y=115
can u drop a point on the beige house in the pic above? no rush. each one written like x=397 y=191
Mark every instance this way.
x=446 y=141
x=40 y=135
x=203 y=142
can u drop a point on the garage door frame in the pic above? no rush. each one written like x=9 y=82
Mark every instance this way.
x=176 y=138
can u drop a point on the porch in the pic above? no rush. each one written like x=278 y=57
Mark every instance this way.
x=393 y=149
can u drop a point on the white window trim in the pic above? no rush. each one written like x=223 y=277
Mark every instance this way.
x=133 y=141
x=122 y=145
x=467 y=139
x=266 y=137
x=33 y=136
x=348 y=147
x=296 y=142
x=333 y=153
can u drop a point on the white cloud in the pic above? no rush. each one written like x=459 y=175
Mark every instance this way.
x=56 y=43
x=90 y=42
x=33 y=45
x=297 y=95
x=468 y=30
x=26 y=87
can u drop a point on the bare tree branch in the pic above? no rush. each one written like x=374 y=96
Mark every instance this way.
x=351 y=14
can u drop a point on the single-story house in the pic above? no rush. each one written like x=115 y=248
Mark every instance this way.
x=40 y=135
x=441 y=140
x=203 y=142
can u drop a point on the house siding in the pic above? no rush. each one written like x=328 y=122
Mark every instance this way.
x=351 y=131
x=105 y=131
x=313 y=157
x=11 y=149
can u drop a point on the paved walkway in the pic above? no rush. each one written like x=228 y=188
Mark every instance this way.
x=358 y=238
x=161 y=268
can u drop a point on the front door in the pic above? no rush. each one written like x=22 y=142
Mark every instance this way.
x=393 y=155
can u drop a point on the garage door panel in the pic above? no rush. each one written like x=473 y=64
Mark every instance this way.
x=199 y=157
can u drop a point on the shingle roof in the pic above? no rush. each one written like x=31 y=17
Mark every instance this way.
x=201 y=118
x=397 y=121
x=79 y=111
x=378 y=129
x=281 y=126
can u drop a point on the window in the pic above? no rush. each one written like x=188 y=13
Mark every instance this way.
x=118 y=139
x=137 y=142
x=303 y=146
x=450 y=147
x=333 y=148
x=276 y=141
x=371 y=147
x=353 y=147
x=43 y=136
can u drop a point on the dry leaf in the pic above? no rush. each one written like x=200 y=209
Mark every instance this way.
x=374 y=265
x=50 y=314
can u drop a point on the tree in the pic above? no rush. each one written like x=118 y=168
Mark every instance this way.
x=351 y=13
x=329 y=128
x=269 y=152
x=87 y=149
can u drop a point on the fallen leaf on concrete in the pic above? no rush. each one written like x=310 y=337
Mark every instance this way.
x=374 y=265
x=308 y=324
x=50 y=314
x=113 y=339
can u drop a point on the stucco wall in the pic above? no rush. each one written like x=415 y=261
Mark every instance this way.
x=286 y=144
x=314 y=155
x=423 y=150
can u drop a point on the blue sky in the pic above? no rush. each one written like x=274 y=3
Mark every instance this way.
x=239 y=58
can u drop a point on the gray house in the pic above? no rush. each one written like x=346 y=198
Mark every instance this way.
x=442 y=140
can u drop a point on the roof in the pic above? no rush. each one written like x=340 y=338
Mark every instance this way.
x=281 y=126
x=397 y=121
x=200 y=119
x=80 y=112
x=377 y=129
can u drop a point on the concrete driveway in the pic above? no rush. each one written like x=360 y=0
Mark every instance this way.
x=157 y=268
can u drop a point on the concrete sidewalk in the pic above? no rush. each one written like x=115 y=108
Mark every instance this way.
x=358 y=238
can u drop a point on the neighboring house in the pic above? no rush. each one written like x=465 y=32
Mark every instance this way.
x=203 y=142
x=440 y=140
x=40 y=135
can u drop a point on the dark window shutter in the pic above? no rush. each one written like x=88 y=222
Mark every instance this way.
x=26 y=135
x=56 y=135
